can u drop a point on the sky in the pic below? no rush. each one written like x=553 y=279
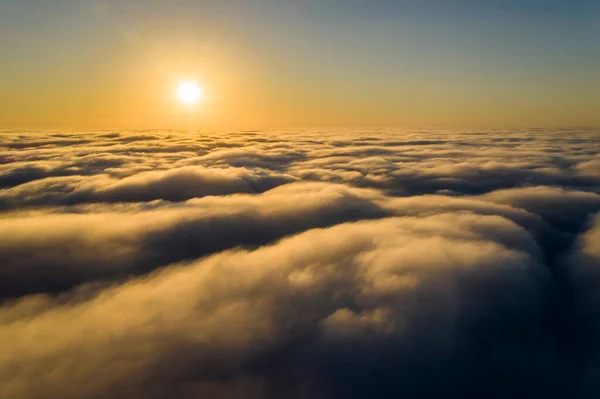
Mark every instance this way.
x=376 y=199
x=267 y=63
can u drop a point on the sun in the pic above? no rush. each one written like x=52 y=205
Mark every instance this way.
x=189 y=92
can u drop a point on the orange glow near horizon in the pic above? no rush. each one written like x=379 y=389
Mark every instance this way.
x=257 y=73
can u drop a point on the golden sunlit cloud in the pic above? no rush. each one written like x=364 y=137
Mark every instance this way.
x=189 y=92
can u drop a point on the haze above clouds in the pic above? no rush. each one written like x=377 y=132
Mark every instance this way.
x=306 y=263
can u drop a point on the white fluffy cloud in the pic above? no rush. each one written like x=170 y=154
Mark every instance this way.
x=299 y=264
x=404 y=282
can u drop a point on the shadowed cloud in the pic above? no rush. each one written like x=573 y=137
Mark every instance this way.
x=308 y=263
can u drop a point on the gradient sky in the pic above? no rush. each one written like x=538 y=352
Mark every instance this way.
x=116 y=63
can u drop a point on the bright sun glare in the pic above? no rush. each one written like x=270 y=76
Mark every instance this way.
x=189 y=92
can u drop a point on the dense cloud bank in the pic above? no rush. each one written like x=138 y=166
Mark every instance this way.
x=354 y=264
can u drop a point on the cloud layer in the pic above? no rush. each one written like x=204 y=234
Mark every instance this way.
x=296 y=264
